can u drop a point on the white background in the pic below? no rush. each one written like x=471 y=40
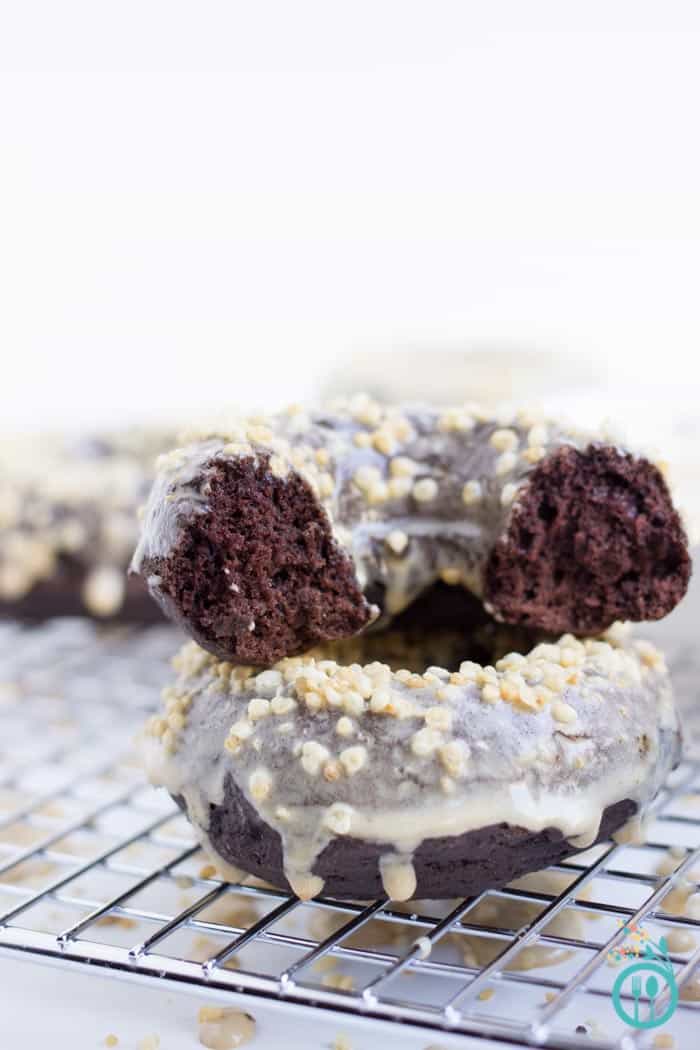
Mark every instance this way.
x=301 y=181
x=222 y=201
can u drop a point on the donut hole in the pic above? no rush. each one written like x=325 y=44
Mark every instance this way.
x=443 y=627
x=259 y=576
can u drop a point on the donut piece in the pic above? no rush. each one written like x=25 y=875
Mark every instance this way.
x=68 y=524
x=280 y=535
x=352 y=779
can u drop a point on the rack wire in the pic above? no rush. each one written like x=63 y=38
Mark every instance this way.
x=98 y=869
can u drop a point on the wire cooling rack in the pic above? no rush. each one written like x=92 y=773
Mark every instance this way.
x=99 y=870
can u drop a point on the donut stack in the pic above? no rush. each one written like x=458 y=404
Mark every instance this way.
x=408 y=674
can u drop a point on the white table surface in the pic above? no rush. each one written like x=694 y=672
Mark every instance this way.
x=45 y=1006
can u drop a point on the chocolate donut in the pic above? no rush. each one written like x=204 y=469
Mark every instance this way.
x=352 y=779
x=284 y=533
x=68 y=524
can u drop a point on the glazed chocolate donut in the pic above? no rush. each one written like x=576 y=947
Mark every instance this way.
x=354 y=780
x=68 y=524
x=283 y=534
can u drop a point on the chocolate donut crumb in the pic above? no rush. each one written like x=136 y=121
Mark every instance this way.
x=594 y=538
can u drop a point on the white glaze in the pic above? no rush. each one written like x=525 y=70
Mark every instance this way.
x=521 y=766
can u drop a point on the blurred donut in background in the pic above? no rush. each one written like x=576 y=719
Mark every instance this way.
x=69 y=521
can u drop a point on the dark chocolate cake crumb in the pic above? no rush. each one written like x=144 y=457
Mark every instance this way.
x=594 y=538
x=259 y=576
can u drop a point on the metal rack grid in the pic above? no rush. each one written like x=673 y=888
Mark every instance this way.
x=98 y=869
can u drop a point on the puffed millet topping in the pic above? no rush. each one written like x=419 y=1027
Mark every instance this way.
x=332 y=770
x=650 y=656
x=367 y=478
x=439 y=718
x=533 y=454
x=338 y=818
x=353 y=759
x=378 y=493
x=508 y=493
x=279 y=466
x=383 y=442
x=103 y=591
x=210 y=1013
x=403 y=467
x=504 y=440
x=353 y=704
x=260 y=784
x=268 y=681
x=471 y=493
x=313 y=755
x=425 y=490
x=258 y=708
x=399 y=488
x=345 y=726
x=469 y=669
x=238 y=734
x=381 y=702
x=425 y=742
x=233 y=448
x=259 y=433
x=223 y=1028
x=458 y=419
x=282 y=705
x=490 y=693
x=454 y=757
x=365 y=410
x=562 y=712
x=506 y=462
x=397 y=541
x=537 y=435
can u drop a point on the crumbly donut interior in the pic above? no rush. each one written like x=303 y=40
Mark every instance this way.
x=259 y=574
x=594 y=538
